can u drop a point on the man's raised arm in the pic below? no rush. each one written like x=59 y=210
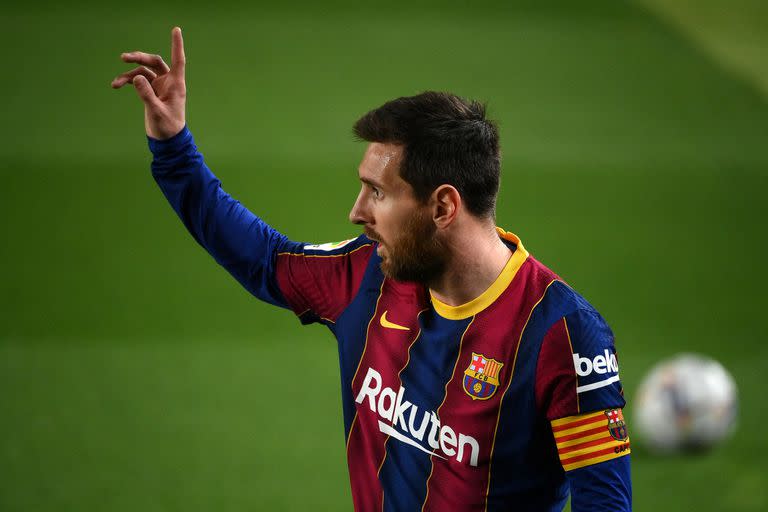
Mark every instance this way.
x=238 y=240
x=264 y=261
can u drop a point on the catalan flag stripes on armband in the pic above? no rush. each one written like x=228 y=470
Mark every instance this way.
x=590 y=438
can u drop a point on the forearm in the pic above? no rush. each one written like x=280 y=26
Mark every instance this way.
x=236 y=238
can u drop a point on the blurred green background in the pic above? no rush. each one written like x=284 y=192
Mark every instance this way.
x=134 y=372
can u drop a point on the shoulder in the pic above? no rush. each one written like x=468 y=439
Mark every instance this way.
x=552 y=297
x=319 y=281
x=579 y=348
x=577 y=331
x=583 y=330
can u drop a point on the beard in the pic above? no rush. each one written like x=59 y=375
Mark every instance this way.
x=417 y=255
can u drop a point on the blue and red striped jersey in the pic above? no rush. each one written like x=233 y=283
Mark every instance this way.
x=507 y=402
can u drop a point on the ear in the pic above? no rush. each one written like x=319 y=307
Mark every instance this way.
x=447 y=202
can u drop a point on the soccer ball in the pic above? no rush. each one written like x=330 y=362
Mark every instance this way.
x=685 y=403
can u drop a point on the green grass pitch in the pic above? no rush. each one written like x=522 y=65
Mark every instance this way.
x=135 y=374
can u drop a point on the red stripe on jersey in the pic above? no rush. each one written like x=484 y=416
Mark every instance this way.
x=386 y=352
x=322 y=284
x=457 y=485
x=556 y=379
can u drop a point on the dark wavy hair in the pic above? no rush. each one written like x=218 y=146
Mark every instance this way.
x=446 y=140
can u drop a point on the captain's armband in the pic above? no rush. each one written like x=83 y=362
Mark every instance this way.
x=590 y=438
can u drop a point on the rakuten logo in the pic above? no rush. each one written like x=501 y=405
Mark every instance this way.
x=389 y=404
x=601 y=364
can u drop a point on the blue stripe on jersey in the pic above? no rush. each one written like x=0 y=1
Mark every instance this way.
x=600 y=388
x=430 y=366
x=521 y=430
x=353 y=336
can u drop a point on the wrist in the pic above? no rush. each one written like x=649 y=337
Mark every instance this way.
x=164 y=133
x=172 y=145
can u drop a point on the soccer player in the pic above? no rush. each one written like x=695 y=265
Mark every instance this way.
x=473 y=377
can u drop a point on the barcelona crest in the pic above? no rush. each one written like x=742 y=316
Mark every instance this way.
x=481 y=378
x=616 y=424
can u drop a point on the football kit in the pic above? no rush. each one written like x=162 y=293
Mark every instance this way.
x=507 y=402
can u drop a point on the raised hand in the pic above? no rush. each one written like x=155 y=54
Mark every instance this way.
x=162 y=90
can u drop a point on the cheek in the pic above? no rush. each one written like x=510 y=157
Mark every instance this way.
x=394 y=224
x=392 y=218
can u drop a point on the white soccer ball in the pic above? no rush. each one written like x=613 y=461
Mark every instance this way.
x=685 y=403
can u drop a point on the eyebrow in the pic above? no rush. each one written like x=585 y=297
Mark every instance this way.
x=371 y=183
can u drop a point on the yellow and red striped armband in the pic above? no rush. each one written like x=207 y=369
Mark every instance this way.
x=590 y=438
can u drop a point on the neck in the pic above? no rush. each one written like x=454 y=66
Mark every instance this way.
x=477 y=258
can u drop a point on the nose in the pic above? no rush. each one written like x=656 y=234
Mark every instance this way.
x=358 y=214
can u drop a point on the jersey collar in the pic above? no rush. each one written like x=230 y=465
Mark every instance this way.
x=493 y=292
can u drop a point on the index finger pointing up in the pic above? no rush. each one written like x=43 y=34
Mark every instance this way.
x=177 y=52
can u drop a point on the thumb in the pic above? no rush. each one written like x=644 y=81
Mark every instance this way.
x=145 y=91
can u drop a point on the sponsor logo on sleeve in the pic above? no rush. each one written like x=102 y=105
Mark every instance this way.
x=600 y=371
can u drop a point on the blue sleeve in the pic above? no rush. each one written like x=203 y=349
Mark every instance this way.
x=236 y=238
x=602 y=487
x=595 y=361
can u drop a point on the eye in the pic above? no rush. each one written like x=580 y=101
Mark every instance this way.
x=376 y=192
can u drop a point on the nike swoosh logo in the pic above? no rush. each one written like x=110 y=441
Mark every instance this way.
x=389 y=325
